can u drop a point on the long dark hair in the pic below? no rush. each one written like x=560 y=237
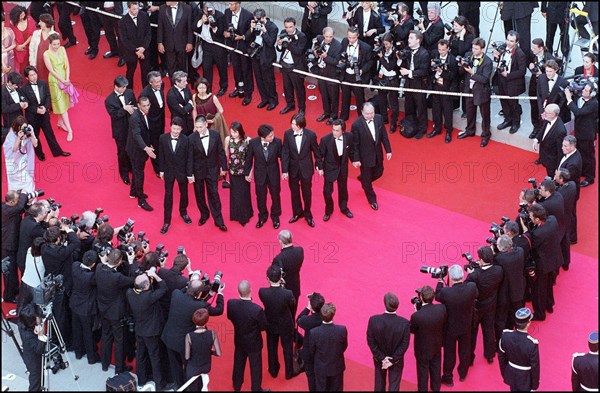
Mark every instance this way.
x=237 y=126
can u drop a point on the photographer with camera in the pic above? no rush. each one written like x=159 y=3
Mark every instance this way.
x=237 y=20
x=211 y=27
x=585 y=111
x=291 y=43
x=327 y=49
x=488 y=278
x=34 y=273
x=290 y=260
x=538 y=59
x=549 y=90
x=148 y=321
x=433 y=28
x=13 y=208
x=314 y=19
x=568 y=189
x=459 y=300
x=308 y=319
x=31 y=330
x=401 y=24
x=179 y=321
x=428 y=326
x=354 y=67
x=444 y=73
x=388 y=75
x=174 y=279
x=13 y=103
x=261 y=36
x=32 y=226
x=19 y=155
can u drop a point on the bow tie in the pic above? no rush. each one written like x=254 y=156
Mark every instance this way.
x=33 y=84
x=204 y=136
x=10 y=90
x=134 y=17
x=173 y=139
x=120 y=95
x=155 y=90
x=551 y=80
x=369 y=121
x=298 y=134
x=414 y=51
x=265 y=145
x=173 y=7
x=340 y=139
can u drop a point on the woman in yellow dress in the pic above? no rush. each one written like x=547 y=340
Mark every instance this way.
x=57 y=62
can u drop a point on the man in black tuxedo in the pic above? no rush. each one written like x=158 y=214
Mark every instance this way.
x=299 y=146
x=433 y=28
x=248 y=321
x=111 y=26
x=209 y=163
x=388 y=336
x=336 y=150
x=261 y=48
x=262 y=164
x=549 y=90
x=368 y=29
x=327 y=66
x=12 y=103
x=175 y=37
x=549 y=139
x=477 y=82
x=37 y=95
x=289 y=260
x=179 y=322
x=568 y=190
x=175 y=164
x=516 y=16
x=444 y=78
x=32 y=226
x=279 y=306
x=112 y=305
x=314 y=19
x=139 y=149
x=237 y=22
x=585 y=111
x=369 y=137
x=211 y=27
x=175 y=279
x=154 y=90
x=573 y=162
x=359 y=57
x=459 y=300
x=291 y=46
x=91 y=25
x=427 y=324
x=401 y=29
x=328 y=343
x=179 y=101
x=134 y=39
x=120 y=104
x=538 y=59
x=556 y=12
x=415 y=69
x=143 y=302
x=308 y=319
x=12 y=212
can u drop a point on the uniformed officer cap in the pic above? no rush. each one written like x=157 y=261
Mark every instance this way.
x=593 y=338
x=523 y=315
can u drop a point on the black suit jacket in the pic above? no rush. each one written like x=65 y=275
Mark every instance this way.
x=112 y=285
x=459 y=301
x=554 y=96
x=488 y=280
x=512 y=288
x=147 y=314
x=332 y=59
x=374 y=23
x=556 y=11
x=433 y=33
x=59 y=258
x=569 y=195
x=460 y=47
x=421 y=65
x=449 y=75
x=388 y=335
x=207 y=164
x=248 y=321
x=178 y=164
x=555 y=206
x=367 y=151
x=290 y=259
x=83 y=299
x=514 y=82
x=334 y=164
x=265 y=171
x=45 y=100
x=10 y=108
x=175 y=37
x=175 y=280
x=132 y=36
x=307 y=323
x=365 y=59
x=245 y=17
x=481 y=89
x=296 y=48
x=574 y=164
x=29 y=230
x=586 y=119
x=181 y=107
x=551 y=146
x=318 y=21
x=119 y=117
x=11 y=221
x=328 y=343
x=402 y=30
x=267 y=54
x=300 y=164
x=279 y=304
x=139 y=136
x=156 y=114
x=428 y=325
x=545 y=247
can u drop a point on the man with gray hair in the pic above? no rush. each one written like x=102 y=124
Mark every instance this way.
x=290 y=260
x=572 y=162
x=568 y=190
x=459 y=300
x=549 y=138
x=179 y=101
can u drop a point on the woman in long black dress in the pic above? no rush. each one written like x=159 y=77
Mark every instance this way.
x=199 y=350
x=240 y=202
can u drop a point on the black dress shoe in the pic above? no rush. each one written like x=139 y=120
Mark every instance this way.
x=463 y=134
x=484 y=142
x=393 y=128
x=65 y=154
x=586 y=183
x=165 y=228
x=222 y=228
x=271 y=107
x=226 y=184
x=93 y=55
x=310 y=222
x=503 y=125
x=202 y=221
x=433 y=133
x=109 y=54
x=533 y=133
x=374 y=206
x=241 y=94
x=262 y=104
x=326 y=217
x=247 y=101
x=322 y=117
x=301 y=112
x=88 y=51
x=144 y=205
x=419 y=135
x=348 y=214
x=121 y=62
x=536 y=318
x=70 y=44
x=550 y=309
x=538 y=162
x=186 y=219
x=490 y=360
x=259 y=224
x=276 y=224
x=221 y=92
x=234 y=93
x=42 y=157
x=448 y=137
x=126 y=180
x=330 y=121
x=295 y=218
x=287 y=109
x=513 y=129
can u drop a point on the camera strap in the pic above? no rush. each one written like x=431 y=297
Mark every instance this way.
x=35 y=259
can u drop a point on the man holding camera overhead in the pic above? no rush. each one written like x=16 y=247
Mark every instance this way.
x=291 y=43
x=211 y=27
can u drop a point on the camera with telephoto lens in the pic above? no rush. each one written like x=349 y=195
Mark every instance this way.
x=44 y=293
x=319 y=47
x=578 y=83
x=35 y=194
x=6 y=265
x=404 y=53
x=286 y=39
x=125 y=231
x=210 y=17
x=180 y=250
x=538 y=66
x=472 y=264
x=141 y=237
x=524 y=215
x=416 y=300
x=435 y=272
x=496 y=230
x=161 y=252
x=437 y=63
x=343 y=63
x=211 y=287
x=535 y=187
x=100 y=221
x=377 y=45
x=421 y=15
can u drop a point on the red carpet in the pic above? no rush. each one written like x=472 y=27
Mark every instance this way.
x=436 y=202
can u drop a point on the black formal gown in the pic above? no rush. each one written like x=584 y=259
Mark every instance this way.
x=240 y=202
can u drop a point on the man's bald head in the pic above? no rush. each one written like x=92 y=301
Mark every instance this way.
x=141 y=281
x=244 y=288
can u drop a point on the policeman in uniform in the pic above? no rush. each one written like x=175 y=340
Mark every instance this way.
x=518 y=355
x=584 y=369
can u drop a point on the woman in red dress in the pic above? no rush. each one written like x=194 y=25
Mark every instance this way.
x=23 y=26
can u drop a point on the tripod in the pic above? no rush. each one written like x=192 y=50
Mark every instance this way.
x=10 y=333
x=53 y=350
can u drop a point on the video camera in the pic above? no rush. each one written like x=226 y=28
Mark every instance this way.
x=578 y=83
x=435 y=272
x=44 y=293
x=416 y=300
x=471 y=263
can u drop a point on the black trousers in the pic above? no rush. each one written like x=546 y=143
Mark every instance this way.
x=563 y=39
x=572 y=230
x=342 y=182
x=505 y=317
x=155 y=132
x=261 y=200
x=443 y=107
x=359 y=95
x=111 y=32
x=91 y=26
x=273 y=357
x=64 y=21
x=265 y=81
x=484 y=109
x=215 y=56
x=138 y=165
x=293 y=83
x=536 y=120
x=415 y=106
x=176 y=61
x=214 y=201
x=543 y=294
x=393 y=374
x=486 y=318
x=464 y=355
x=123 y=160
x=367 y=176
x=83 y=336
x=389 y=99
x=588 y=156
x=177 y=363
x=42 y=123
x=112 y=331
x=334 y=383
x=11 y=280
x=297 y=185
x=309 y=369
x=330 y=96
x=429 y=370
x=144 y=70
x=183 y=198
x=512 y=111
x=148 y=350
x=242 y=72
x=239 y=366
